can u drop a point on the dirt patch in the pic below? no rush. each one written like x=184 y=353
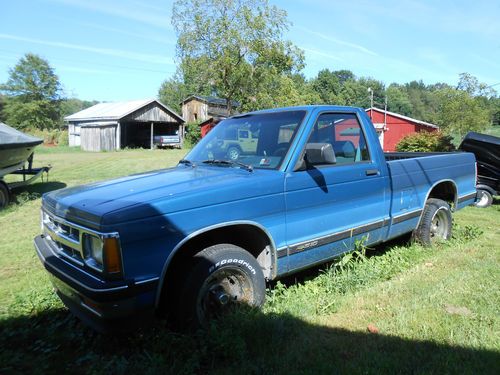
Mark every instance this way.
x=457 y=310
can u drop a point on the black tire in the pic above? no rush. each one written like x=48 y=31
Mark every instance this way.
x=484 y=198
x=435 y=223
x=4 y=195
x=233 y=152
x=218 y=279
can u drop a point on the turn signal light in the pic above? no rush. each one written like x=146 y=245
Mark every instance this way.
x=112 y=258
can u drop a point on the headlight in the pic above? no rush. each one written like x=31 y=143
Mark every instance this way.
x=94 y=250
x=103 y=253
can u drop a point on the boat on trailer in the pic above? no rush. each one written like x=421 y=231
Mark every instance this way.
x=16 y=157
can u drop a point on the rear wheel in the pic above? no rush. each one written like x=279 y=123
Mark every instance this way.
x=4 y=195
x=484 y=199
x=435 y=224
x=219 y=278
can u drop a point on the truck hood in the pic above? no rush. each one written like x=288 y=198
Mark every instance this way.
x=159 y=192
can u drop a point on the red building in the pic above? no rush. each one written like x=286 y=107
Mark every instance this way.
x=391 y=127
x=209 y=124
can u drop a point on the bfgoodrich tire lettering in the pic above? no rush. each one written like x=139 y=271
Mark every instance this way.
x=435 y=224
x=217 y=279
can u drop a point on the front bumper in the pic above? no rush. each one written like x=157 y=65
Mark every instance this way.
x=103 y=305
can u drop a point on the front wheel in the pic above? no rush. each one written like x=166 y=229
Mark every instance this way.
x=219 y=278
x=485 y=199
x=435 y=224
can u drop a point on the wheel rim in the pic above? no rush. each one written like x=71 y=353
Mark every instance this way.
x=233 y=153
x=440 y=225
x=221 y=291
x=483 y=201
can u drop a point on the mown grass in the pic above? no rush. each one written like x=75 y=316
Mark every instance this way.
x=402 y=309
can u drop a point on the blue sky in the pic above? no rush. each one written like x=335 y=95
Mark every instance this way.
x=111 y=50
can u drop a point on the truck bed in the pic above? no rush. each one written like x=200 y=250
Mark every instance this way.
x=414 y=174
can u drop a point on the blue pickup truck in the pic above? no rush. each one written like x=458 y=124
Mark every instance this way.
x=192 y=240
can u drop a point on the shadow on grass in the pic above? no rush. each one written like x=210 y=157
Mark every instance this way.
x=39 y=187
x=245 y=342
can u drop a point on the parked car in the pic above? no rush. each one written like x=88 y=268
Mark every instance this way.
x=193 y=240
x=487 y=151
x=167 y=140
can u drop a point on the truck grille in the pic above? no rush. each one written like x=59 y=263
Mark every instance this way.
x=66 y=237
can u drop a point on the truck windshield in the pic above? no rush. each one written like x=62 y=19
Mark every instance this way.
x=258 y=140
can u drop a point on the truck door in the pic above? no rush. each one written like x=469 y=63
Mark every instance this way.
x=339 y=195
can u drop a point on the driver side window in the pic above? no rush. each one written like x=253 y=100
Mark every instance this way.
x=337 y=138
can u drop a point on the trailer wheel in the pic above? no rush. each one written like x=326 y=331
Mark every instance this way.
x=435 y=224
x=220 y=278
x=485 y=199
x=4 y=195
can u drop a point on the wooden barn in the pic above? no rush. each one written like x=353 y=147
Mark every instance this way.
x=391 y=127
x=112 y=126
x=197 y=108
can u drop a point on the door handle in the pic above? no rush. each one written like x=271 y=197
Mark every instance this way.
x=371 y=172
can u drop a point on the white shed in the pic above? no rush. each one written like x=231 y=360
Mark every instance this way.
x=111 y=126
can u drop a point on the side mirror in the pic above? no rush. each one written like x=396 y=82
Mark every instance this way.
x=316 y=154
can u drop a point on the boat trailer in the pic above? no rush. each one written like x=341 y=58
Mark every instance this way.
x=28 y=173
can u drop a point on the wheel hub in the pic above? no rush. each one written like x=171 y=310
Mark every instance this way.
x=220 y=296
x=439 y=226
x=223 y=289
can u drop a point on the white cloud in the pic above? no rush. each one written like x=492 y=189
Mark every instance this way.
x=150 y=58
x=338 y=41
x=155 y=38
x=150 y=15
x=320 y=53
x=75 y=69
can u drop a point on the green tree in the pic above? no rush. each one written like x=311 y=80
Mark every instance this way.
x=327 y=85
x=2 y=104
x=459 y=112
x=234 y=48
x=174 y=90
x=33 y=94
x=305 y=89
x=425 y=142
x=398 y=100
x=344 y=75
x=73 y=105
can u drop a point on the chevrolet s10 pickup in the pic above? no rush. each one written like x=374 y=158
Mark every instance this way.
x=190 y=241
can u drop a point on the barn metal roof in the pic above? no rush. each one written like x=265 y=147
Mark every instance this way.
x=115 y=110
x=404 y=117
x=210 y=100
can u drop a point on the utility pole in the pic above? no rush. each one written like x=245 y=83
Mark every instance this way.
x=371 y=101
x=385 y=113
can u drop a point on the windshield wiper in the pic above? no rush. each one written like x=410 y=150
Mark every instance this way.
x=230 y=163
x=186 y=162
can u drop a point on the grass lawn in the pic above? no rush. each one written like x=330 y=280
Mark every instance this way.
x=403 y=309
